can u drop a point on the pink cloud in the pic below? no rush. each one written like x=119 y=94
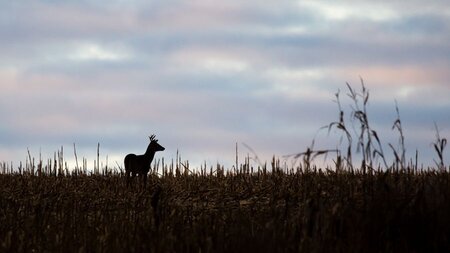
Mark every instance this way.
x=391 y=75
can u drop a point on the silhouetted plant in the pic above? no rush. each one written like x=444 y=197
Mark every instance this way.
x=400 y=160
x=368 y=143
x=340 y=125
x=310 y=154
x=439 y=146
x=366 y=135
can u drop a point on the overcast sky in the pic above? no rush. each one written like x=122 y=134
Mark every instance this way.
x=203 y=75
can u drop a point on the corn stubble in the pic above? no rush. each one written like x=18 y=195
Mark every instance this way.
x=277 y=211
x=397 y=208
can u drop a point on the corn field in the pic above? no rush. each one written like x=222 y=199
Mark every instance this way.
x=375 y=207
x=250 y=209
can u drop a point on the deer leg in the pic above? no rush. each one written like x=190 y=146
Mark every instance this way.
x=133 y=174
x=145 y=179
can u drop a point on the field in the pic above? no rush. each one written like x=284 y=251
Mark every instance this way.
x=377 y=206
x=298 y=210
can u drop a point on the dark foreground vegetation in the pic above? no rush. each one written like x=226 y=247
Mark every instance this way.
x=239 y=211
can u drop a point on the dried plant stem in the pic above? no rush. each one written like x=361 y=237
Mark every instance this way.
x=439 y=146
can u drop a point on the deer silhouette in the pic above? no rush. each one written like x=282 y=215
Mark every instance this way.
x=140 y=164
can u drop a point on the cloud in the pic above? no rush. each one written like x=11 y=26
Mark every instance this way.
x=86 y=52
x=346 y=10
x=204 y=75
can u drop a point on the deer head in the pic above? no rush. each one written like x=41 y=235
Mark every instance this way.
x=154 y=144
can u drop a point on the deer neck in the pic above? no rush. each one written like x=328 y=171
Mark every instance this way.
x=150 y=153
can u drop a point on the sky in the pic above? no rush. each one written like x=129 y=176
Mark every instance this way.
x=203 y=75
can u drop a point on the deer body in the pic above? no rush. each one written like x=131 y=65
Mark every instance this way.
x=140 y=164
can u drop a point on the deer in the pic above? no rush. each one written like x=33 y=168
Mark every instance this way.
x=140 y=164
